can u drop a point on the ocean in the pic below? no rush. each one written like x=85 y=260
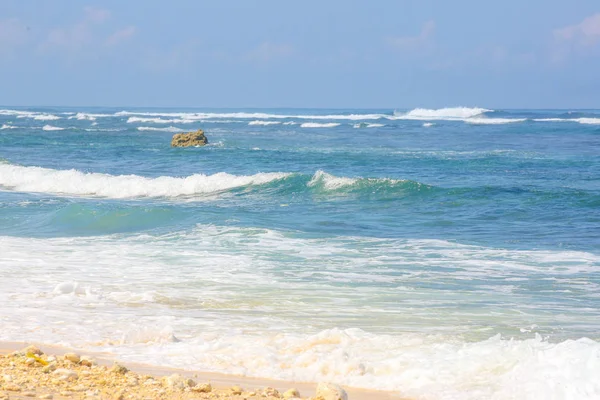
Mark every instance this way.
x=441 y=254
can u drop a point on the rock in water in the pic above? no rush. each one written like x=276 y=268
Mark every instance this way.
x=331 y=391
x=189 y=139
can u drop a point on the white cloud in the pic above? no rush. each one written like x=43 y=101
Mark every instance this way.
x=268 y=51
x=412 y=43
x=120 y=36
x=586 y=33
x=74 y=38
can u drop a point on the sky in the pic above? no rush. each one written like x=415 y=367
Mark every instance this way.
x=310 y=54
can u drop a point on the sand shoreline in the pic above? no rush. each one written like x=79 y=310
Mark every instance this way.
x=222 y=383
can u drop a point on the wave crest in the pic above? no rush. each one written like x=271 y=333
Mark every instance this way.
x=450 y=113
x=77 y=183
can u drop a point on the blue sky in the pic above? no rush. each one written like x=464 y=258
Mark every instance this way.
x=333 y=54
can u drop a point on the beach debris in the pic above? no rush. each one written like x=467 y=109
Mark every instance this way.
x=236 y=390
x=65 y=374
x=87 y=361
x=202 y=388
x=73 y=357
x=49 y=368
x=33 y=350
x=119 y=369
x=46 y=396
x=177 y=381
x=269 y=391
x=291 y=393
x=11 y=387
x=330 y=391
x=189 y=139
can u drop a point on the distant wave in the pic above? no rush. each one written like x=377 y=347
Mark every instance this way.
x=319 y=125
x=428 y=124
x=585 y=121
x=367 y=125
x=589 y=121
x=493 y=121
x=452 y=113
x=73 y=182
x=325 y=182
x=137 y=120
x=4 y=126
x=246 y=115
x=52 y=128
x=167 y=129
x=46 y=117
x=88 y=116
x=258 y=122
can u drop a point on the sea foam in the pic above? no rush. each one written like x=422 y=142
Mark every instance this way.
x=52 y=128
x=73 y=182
x=451 y=113
x=319 y=125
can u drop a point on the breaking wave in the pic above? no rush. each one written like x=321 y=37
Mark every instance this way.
x=77 y=183
x=452 y=113
x=319 y=125
x=52 y=128
x=493 y=121
x=172 y=129
x=258 y=122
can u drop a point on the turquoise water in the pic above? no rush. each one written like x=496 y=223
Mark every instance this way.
x=347 y=245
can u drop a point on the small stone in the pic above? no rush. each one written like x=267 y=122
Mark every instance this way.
x=51 y=359
x=177 y=381
x=49 y=368
x=79 y=388
x=202 y=388
x=119 y=396
x=236 y=390
x=7 y=378
x=32 y=349
x=291 y=393
x=272 y=392
x=66 y=393
x=119 y=369
x=11 y=387
x=46 y=397
x=331 y=391
x=87 y=361
x=30 y=361
x=132 y=382
x=66 y=374
x=73 y=357
x=28 y=394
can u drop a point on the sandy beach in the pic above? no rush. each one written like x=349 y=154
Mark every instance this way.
x=53 y=372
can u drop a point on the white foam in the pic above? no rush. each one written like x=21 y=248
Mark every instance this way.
x=232 y=305
x=493 y=121
x=367 y=125
x=138 y=120
x=167 y=129
x=4 y=126
x=330 y=181
x=585 y=121
x=73 y=182
x=428 y=124
x=589 y=121
x=52 y=128
x=254 y=116
x=319 y=125
x=452 y=113
x=88 y=116
x=46 y=117
x=259 y=122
